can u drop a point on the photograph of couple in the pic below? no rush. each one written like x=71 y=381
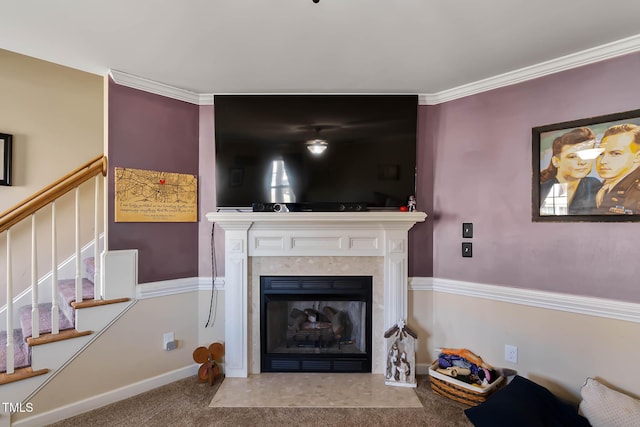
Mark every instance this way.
x=590 y=170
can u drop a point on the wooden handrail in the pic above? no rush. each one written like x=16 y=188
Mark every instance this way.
x=53 y=191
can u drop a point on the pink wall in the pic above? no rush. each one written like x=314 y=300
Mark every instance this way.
x=482 y=155
x=152 y=132
x=474 y=165
x=421 y=235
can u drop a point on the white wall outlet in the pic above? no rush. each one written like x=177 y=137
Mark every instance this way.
x=511 y=353
x=169 y=341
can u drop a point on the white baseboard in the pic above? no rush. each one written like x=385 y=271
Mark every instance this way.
x=107 y=398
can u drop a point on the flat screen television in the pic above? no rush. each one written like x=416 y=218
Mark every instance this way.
x=262 y=154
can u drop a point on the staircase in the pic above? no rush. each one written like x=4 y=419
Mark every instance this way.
x=48 y=324
x=23 y=336
x=37 y=360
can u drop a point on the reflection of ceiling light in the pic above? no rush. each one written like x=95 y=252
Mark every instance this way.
x=317 y=146
x=590 y=154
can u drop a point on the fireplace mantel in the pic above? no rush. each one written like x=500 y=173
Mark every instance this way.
x=299 y=234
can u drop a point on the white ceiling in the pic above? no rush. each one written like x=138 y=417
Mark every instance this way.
x=298 y=46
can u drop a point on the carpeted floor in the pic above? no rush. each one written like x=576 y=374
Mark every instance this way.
x=186 y=403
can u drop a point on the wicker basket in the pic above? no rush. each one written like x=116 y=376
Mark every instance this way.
x=460 y=391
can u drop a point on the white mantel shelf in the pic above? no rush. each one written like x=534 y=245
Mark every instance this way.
x=265 y=234
x=318 y=217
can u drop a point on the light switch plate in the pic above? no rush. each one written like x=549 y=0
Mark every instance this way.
x=467 y=249
x=467 y=230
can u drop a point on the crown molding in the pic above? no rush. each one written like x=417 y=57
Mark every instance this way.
x=161 y=89
x=574 y=60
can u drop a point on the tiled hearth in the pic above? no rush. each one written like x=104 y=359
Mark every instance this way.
x=310 y=243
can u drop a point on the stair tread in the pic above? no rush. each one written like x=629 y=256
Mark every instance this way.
x=63 y=335
x=21 y=374
x=21 y=351
x=98 y=302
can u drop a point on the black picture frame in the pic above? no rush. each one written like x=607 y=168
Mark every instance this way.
x=6 y=146
x=554 y=201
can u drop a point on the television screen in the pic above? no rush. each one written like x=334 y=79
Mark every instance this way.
x=315 y=149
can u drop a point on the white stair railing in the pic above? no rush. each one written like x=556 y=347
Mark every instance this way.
x=29 y=207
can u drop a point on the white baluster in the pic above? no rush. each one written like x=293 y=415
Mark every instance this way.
x=55 y=325
x=96 y=241
x=10 y=354
x=78 y=253
x=35 y=310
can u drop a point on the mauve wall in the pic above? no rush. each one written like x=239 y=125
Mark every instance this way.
x=152 y=132
x=481 y=148
x=421 y=235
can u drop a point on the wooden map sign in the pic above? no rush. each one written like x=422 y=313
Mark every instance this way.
x=152 y=196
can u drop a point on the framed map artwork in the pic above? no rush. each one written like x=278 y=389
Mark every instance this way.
x=153 y=196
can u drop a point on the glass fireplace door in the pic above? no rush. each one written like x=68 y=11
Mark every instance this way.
x=315 y=324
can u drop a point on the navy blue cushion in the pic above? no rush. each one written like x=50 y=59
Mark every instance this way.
x=524 y=403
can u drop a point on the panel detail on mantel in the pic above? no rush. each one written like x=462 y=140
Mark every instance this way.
x=366 y=243
x=311 y=234
x=269 y=242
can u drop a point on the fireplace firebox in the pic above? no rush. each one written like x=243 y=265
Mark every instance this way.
x=315 y=323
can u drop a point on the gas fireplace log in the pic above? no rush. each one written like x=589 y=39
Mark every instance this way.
x=314 y=315
x=338 y=320
x=296 y=319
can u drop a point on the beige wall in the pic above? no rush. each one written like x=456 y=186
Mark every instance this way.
x=128 y=352
x=557 y=349
x=420 y=320
x=210 y=329
x=55 y=115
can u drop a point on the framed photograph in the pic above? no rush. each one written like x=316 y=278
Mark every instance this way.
x=6 y=141
x=587 y=169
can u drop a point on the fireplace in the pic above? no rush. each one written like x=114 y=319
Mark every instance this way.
x=310 y=244
x=315 y=323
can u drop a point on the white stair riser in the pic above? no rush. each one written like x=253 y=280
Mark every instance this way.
x=96 y=318
x=53 y=355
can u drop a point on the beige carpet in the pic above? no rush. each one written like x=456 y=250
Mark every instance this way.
x=313 y=390
x=186 y=403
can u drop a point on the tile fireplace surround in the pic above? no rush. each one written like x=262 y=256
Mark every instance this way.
x=371 y=243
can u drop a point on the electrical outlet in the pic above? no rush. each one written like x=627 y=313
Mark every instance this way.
x=511 y=353
x=169 y=341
